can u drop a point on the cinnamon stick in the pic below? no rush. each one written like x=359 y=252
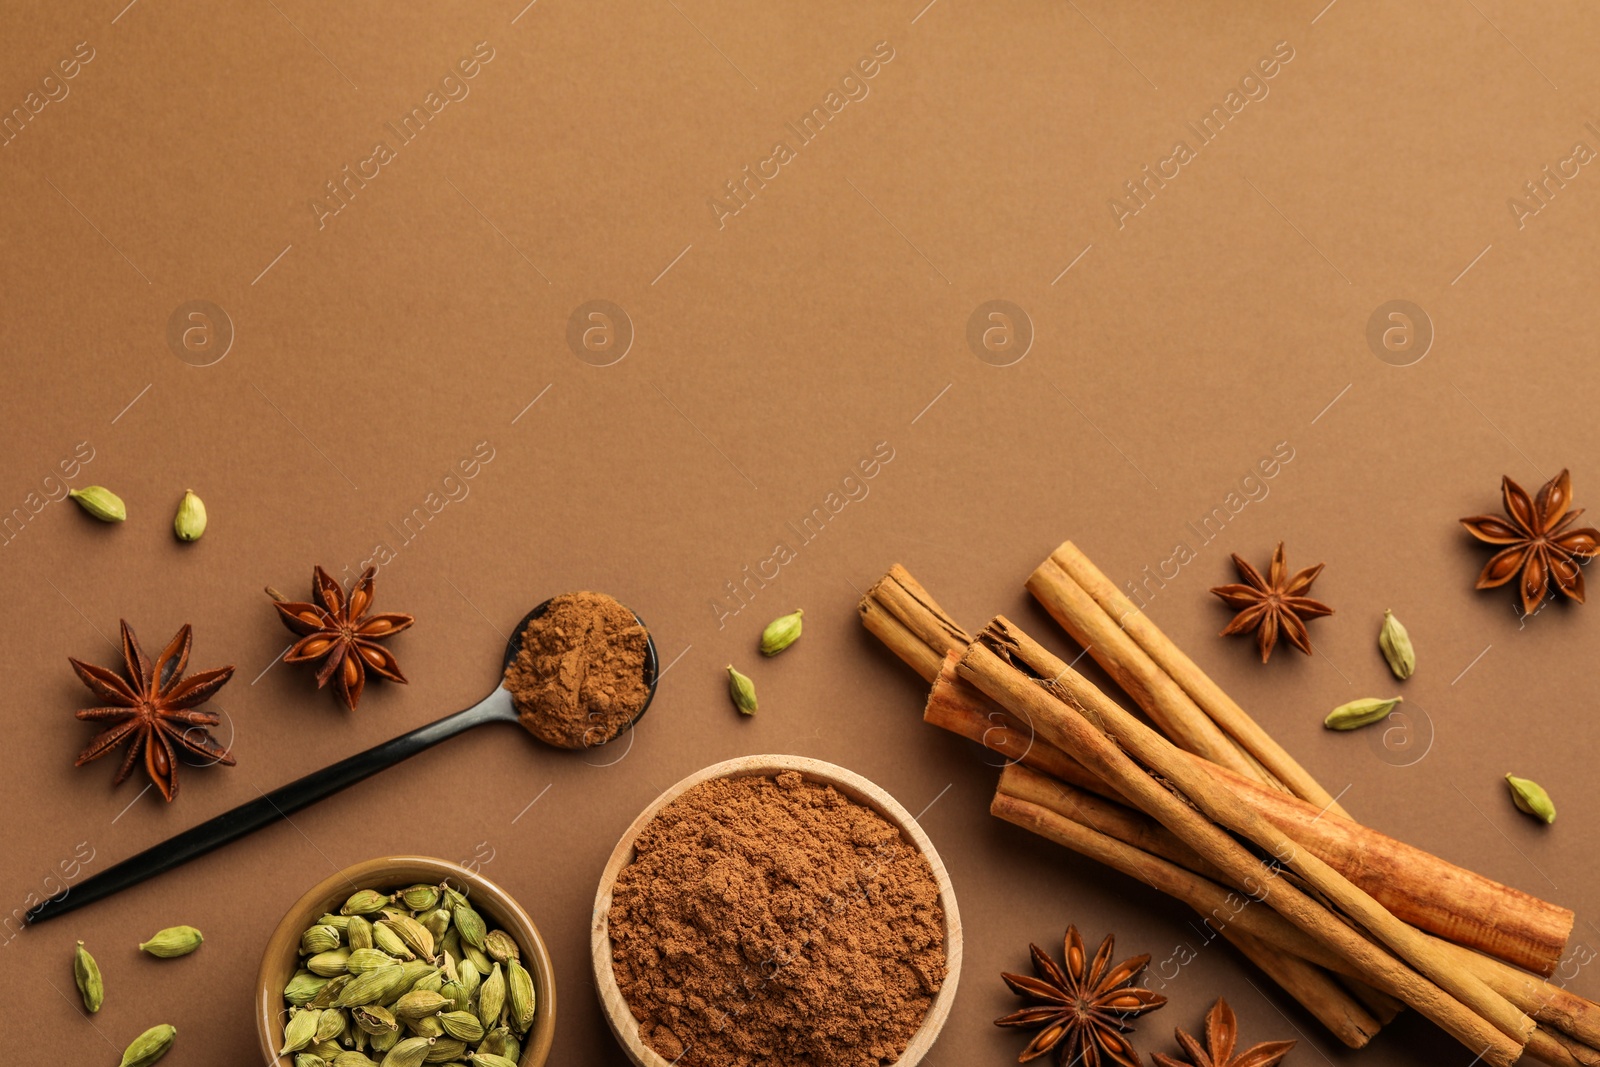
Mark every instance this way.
x=1460 y=1003
x=1424 y=890
x=1067 y=564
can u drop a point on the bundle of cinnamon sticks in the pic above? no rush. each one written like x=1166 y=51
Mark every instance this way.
x=1197 y=800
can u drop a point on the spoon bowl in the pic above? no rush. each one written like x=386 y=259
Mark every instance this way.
x=303 y=792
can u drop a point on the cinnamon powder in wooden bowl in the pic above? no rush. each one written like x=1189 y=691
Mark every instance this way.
x=775 y=914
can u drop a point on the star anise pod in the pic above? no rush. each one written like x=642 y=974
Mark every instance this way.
x=1274 y=605
x=1222 y=1033
x=340 y=633
x=1082 y=1009
x=1540 y=547
x=152 y=709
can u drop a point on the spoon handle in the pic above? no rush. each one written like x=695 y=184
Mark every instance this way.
x=270 y=807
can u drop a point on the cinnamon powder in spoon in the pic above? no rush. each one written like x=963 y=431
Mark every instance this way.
x=774 y=921
x=579 y=677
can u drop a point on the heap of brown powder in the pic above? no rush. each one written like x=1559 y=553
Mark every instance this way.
x=579 y=676
x=774 y=921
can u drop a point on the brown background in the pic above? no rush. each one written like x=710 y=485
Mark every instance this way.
x=1229 y=315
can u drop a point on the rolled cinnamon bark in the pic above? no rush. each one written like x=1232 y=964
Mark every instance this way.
x=1410 y=968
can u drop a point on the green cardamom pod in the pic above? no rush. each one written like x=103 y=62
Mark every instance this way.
x=492 y=997
x=372 y=987
x=302 y=987
x=330 y=1025
x=419 y=1003
x=149 y=1046
x=1531 y=798
x=742 y=690
x=384 y=1042
x=339 y=922
x=409 y=1053
x=457 y=995
x=364 y=902
x=309 y=1059
x=359 y=932
x=463 y=1026
x=416 y=973
x=501 y=946
x=446 y=1049
x=329 y=992
x=86 y=972
x=437 y=923
x=385 y=939
x=1358 y=713
x=190 y=522
x=477 y=957
x=427 y=1026
x=373 y=1019
x=413 y=934
x=300 y=1031
x=420 y=897
x=333 y=962
x=468 y=975
x=363 y=960
x=469 y=924
x=319 y=939
x=1395 y=642
x=519 y=996
x=781 y=633
x=173 y=941
x=489 y=1059
x=430 y=983
x=352 y=1059
x=100 y=502
x=500 y=1042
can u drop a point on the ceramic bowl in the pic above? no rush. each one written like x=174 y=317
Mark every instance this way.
x=282 y=957
x=852 y=785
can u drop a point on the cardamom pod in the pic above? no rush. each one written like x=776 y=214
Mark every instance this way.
x=319 y=939
x=384 y=1042
x=409 y=1053
x=300 y=1030
x=519 y=996
x=340 y=923
x=373 y=1019
x=86 y=972
x=364 y=902
x=469 y=976
x=469 y=924
x=352 y=1059
x=781 y=633
x=368 y=959
x=100 y=502
x=489 y=1059
x=477 y=957
x=330 y=1025
x=419 y=1003
x=173 y=941
x=330 y=992
x=1395 y=642
x=416 y=973
x=500 y=946
x=302 y=987
x=427 y=1026
x=420 y=897
x=492 y=997
x=372 y=987
x=463 y=1026
x=385 y=939
x=149 y=1046
x=309 y=1059
x=431 y=982
x=333 y=962
x=446 y=1049
x=1530 y=796
x=437 y=923
x=457 y=995
x=742 y=690
x=1359 y=713
x=413 y=934
x=358 y=932
x=190 y=522
x=500 y=1042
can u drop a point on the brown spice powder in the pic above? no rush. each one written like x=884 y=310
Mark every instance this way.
x=579 y=676
x=776 y=921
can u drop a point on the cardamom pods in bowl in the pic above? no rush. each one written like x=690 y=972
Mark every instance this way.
x=406 y=961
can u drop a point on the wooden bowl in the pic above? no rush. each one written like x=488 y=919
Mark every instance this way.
x=852 y=785
x=282 y=957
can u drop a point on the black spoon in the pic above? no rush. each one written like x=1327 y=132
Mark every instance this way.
x=303 y=792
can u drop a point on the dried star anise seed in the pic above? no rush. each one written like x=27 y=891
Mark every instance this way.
x=1274 y=605
x=1081 y=1010
x=340 y=633
x=1540 y=549
x=152 y=709
x=1222 y=1034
